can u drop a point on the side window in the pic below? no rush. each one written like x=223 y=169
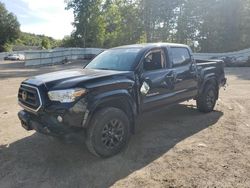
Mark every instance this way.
x=181 y=56
x=154 y=60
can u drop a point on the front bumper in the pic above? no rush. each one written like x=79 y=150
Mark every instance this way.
x=32 y=122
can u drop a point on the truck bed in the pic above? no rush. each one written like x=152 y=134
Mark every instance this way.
x=212 y=66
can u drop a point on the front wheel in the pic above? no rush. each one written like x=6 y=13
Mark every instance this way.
x=207 y=99
x=108 y=133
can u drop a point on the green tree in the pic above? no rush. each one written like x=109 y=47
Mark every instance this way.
x=45 y=44
x=105 y=23
x=89 y=22
x=68 y=41
x=131 y=25
x=245 y=24
x=158 y=19
x=208 y=26
x=9 y=27
x=220 y=28
x=28 y=39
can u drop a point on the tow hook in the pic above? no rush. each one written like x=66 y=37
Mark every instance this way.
x=25 y=125
x=24 y=118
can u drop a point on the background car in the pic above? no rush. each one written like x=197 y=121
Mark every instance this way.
x=14 y=57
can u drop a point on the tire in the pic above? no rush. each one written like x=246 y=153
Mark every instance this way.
x=207 y=99
x=108 y=132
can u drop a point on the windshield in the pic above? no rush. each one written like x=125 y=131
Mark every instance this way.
x=115 y=59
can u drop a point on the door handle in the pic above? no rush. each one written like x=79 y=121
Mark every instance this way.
x=179 y=80
x=170 y=76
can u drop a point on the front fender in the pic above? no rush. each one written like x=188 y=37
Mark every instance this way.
x=115 y=96
x=111 y=95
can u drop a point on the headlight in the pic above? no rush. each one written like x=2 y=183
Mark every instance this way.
x=66 y=96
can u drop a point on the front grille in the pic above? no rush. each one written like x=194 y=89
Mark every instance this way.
x=29 y=97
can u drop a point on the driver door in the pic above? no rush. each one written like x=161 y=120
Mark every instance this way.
x=157 y=81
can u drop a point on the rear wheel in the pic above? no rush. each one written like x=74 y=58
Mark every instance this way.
x=207 y=99
x=108 y=133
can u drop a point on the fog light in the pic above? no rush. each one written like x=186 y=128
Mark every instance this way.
x=59 y=119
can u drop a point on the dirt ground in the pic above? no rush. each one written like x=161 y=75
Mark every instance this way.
x=174 y=147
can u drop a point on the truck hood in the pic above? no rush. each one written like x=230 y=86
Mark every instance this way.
x=68 y=78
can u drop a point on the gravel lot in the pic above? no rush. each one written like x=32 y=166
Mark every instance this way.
x=174 y=147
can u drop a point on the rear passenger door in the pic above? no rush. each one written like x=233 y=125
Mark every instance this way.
x=186 y=85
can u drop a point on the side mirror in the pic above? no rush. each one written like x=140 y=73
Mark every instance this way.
x=193 y=66
x=144 y=88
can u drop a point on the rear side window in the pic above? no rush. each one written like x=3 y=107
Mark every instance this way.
x=181 y=56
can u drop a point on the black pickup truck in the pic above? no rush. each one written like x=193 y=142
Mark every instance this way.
x=102 y=100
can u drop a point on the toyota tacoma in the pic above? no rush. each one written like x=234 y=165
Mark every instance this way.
x=101 y=101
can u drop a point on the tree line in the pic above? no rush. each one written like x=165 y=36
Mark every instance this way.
x=11 y=37
x=207 y=26
x=9 y=27
x=42 y=41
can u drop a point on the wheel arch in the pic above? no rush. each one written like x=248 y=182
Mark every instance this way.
x=210 y=79
x=122 y=101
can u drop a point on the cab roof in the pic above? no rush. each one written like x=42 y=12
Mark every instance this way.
x=151 y=45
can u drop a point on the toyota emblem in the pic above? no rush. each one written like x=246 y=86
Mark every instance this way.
x=24 y=95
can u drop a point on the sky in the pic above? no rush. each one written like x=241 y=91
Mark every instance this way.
x=47 y=17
